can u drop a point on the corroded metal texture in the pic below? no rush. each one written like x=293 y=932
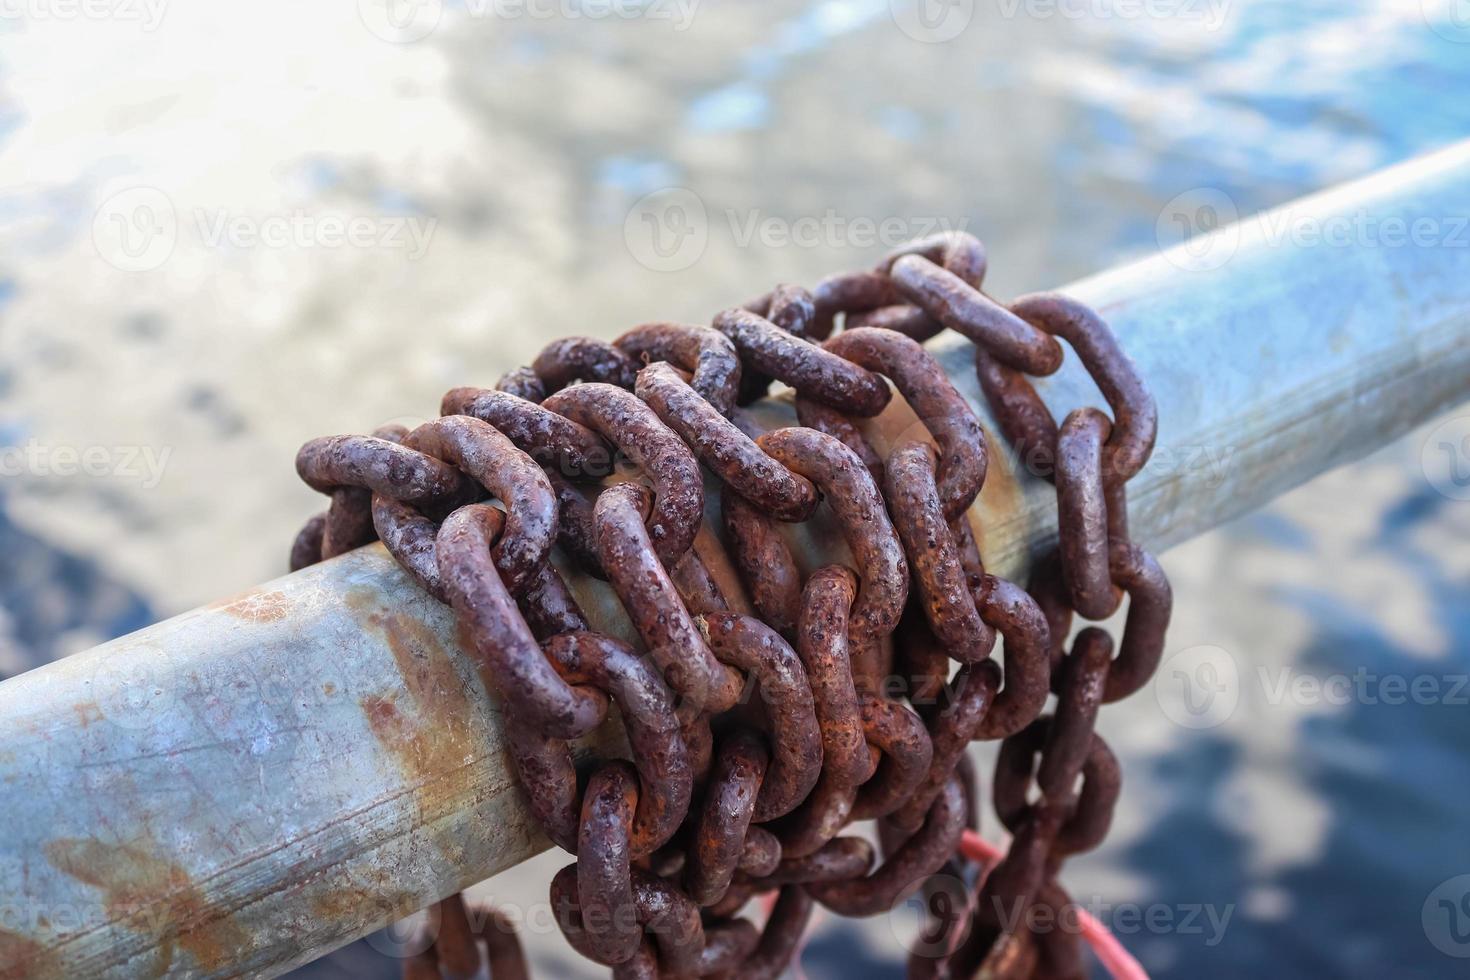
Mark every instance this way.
x=242 y=788
x=239 y=789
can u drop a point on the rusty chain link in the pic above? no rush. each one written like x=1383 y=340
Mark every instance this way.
x=854 y=691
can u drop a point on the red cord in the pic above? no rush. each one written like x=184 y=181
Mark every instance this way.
x=1114 y=958
x=1119 y=963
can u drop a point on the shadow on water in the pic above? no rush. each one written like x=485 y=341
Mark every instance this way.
x=1387 y=758
x=52 y=602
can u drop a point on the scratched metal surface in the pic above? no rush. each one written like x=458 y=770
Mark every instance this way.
x=144 y=781
x=1323 y=828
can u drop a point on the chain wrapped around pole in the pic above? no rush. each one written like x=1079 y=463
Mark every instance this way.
x=767 y=715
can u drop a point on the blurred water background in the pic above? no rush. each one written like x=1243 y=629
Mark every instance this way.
x=171 y=290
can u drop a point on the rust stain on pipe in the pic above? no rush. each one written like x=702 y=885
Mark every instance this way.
x=425 y=726
x=154 y=896
x=256 y=606
x=22 y=957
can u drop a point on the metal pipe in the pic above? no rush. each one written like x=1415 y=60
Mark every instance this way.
x=247 y=786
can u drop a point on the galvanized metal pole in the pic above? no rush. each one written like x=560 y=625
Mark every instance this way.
x=244 y=787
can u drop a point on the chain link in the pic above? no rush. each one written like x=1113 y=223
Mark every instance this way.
x=855 y=690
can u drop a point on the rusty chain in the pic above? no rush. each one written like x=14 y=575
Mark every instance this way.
x=768 y=711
